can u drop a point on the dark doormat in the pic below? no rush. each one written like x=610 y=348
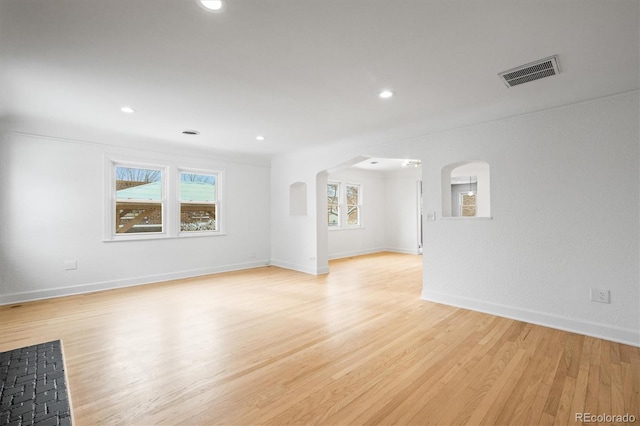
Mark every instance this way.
x=33 y=388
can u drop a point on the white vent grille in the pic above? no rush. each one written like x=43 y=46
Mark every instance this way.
x=532 y=71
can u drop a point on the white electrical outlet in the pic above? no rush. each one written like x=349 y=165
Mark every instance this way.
x=70 y=265
x=600 y=295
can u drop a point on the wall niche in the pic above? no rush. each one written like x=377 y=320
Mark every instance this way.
x=298 y=199
x=466 y=190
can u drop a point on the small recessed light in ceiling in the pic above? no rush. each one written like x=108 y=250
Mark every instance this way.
x=127 y=109
x=374 y=162
x=190 y=132
x=212 y=5
x=260 y=137
x=411 y=163
x=386 y=94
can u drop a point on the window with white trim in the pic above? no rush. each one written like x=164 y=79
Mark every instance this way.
x=467 y=204
x=333 y=204
x=344 y=205
x=198 y=201
x=353 y=204
x=161 y=201
x=139 y=200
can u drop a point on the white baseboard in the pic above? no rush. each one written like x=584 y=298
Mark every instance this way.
x=402 y=250
x=371 y=251
x=29 y=296
x=614 y=334
x=300 y=268
x=344 y=254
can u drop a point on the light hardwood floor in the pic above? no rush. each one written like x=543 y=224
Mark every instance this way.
x=358 y=346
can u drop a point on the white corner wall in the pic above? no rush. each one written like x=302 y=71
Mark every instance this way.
x=565 y=207
x=401 y=216
x=294 y=239
x=565 y=197
x=52 y=210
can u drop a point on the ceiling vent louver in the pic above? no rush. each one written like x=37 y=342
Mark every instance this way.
x=532 y=71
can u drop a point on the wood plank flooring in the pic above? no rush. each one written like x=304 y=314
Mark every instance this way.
x=358 y=346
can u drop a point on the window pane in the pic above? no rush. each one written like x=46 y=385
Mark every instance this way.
x=468 y=210
x=353 y=215
x=333 y=216
x=197 y=187
x=468 y=200
x=352 y=195
x=332 y=193
x=198 y=217
x=468 y=205
x=138 y=184
x=135 y=218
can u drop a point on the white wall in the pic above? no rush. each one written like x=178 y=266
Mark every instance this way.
x=52 y=210
x=575 y=226
x=545 y=247
x=294 y=239
x=401 y=230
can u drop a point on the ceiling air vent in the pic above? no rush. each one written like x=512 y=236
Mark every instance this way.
x=532 y=71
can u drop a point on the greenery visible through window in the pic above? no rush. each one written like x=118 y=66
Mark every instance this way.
x=353 y=205
x=344 y=202
x=198 y=202
x=333 y=204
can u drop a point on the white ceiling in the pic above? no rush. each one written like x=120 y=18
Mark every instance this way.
x=386 y=164
x=303 y=72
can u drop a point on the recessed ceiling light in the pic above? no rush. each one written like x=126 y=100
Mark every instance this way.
x=374 y=162
x=212 y=5
x=386 y=94
x=412 y=163
x=190 y=132
x=260 y=137
x=127 y=109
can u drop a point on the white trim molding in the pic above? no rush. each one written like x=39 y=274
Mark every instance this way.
x=300 y=268
x=587 y=328
x=33 y=295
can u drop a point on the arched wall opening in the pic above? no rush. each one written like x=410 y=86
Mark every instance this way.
x=466 y=189
x=389 y=206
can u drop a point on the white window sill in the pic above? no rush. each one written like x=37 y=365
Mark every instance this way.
x=344 y=228
x=163 y=237
x=467 y=218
